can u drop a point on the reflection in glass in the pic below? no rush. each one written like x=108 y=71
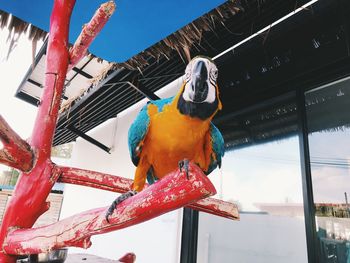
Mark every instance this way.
x=329 y=142
x=261 y=173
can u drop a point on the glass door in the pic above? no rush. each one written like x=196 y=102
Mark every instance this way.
x=328 y=122
x=261 y=173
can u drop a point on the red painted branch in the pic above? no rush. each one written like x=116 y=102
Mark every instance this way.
x=217 y=207
x=55 y=74
x=172 y=192
x=128 y=258
x=93 y=179
x=89 y=32
x=29 y=199
x=121 y=185
x=16 y=152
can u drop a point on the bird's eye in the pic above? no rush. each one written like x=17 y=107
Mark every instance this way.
x=214 y=73
x=188 y=70
x=187 y=74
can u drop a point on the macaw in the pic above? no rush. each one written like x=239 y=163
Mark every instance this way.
x=167 y=133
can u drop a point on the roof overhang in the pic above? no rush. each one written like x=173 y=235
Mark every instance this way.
x=278 y=61
x=79 y=79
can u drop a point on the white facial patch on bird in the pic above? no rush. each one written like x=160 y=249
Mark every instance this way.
x=200 y=81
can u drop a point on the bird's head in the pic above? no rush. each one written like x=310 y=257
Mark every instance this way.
x=199 y=96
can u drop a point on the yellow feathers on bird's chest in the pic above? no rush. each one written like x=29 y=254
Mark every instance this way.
x=172 y=137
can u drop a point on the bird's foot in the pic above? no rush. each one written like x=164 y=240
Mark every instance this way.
x=117 y=201
x=184 y=164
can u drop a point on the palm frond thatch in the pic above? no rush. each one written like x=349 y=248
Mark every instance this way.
x=17 y=28
x=185 y=38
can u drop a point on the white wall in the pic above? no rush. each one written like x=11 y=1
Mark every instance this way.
x=157 y=240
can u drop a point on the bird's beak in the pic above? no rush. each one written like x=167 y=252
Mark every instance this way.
x=200 y=82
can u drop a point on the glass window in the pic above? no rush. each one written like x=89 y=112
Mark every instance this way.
x=8 y=178
x=328 y=122
x=261 y=173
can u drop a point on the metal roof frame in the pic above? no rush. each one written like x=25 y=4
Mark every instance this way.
x=269 y=64
x=117 y=94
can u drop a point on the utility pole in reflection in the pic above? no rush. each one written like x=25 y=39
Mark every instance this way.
x=347 y=204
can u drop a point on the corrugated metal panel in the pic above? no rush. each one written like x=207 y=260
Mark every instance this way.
x=33 y=90
x=79 y=78
x=95 y=68
x=38 y=73
x=77 y=86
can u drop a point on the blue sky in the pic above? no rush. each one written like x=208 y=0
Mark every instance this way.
x=135 y=26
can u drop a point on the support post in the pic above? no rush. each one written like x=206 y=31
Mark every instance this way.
x=189 y=237
x=308 y=198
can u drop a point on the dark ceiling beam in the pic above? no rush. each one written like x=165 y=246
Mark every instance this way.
x=89 y=139
x=82 y=72
x=144 y=91
x=34 y=83
x=30 y=99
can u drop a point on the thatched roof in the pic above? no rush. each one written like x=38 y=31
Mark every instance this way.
x=184 y=39
x=17 y=28
x=181 y=41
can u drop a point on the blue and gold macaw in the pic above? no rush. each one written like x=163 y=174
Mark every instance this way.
x=168 y=131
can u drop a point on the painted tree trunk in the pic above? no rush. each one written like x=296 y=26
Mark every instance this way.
x=29 y=199
x=40 y=174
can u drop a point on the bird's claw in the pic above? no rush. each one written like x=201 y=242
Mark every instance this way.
x=184 y=164
x=117 y=201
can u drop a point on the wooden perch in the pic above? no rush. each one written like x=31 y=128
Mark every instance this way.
x=16 y=152
x=121 y=185
x=89 y=32
x=94 y=179
x=170 y=193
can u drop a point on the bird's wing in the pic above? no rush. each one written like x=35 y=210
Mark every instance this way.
x=139 y=128
x=218 y=148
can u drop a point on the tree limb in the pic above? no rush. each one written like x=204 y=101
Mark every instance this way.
x=89 y=32
x=16 y=152
x=170 y=193
x=121 y=185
